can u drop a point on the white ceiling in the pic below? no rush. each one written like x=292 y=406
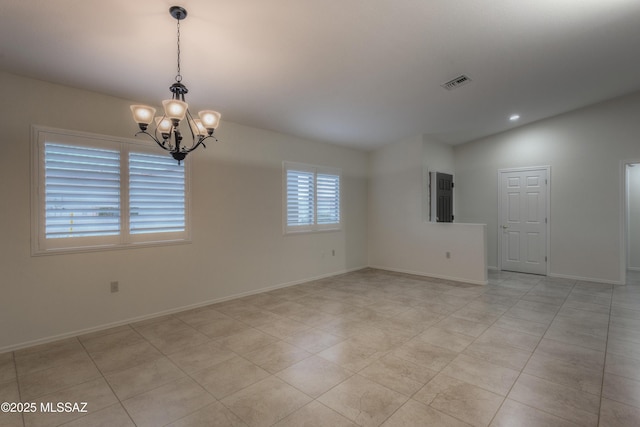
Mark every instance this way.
x=359 y=73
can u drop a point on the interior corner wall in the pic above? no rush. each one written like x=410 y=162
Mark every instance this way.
x=236 y=202
x=399 y=237
x=585 y=149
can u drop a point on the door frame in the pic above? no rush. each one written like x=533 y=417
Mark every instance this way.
x=624 y=218
x=546 y=168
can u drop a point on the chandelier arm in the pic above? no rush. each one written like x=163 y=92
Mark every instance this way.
x=193 y=147
x=156 y=139
x=190 y=123
x=200 y=142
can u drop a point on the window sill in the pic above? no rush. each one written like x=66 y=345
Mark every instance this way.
x=102 y=248
x=301 y=232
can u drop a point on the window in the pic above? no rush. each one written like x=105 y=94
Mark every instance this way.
x=156 y=194
x=311 y=198
x=95 y=192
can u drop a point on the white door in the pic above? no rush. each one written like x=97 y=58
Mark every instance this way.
x=523 y=220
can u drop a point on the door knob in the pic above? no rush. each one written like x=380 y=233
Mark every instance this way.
x=505 y=226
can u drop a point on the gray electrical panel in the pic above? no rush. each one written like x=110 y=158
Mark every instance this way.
x=441 y=197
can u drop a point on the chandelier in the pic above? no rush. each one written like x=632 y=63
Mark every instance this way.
x=167 y=133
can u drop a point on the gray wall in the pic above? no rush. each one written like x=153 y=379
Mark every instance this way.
x=585 y=150
x=236 y=200
x=400 y=236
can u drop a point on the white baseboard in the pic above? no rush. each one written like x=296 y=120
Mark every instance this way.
x=571 y=277
x=435 y=276
x=102 y=327
x=586 y=279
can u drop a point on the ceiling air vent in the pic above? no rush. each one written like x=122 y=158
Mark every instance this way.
x=456 y=83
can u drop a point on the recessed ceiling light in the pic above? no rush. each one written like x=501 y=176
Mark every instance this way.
x=514 y=117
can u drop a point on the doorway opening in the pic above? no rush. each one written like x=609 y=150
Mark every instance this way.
x=630 y=273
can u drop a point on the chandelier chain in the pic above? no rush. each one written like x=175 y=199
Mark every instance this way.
x=178 y=76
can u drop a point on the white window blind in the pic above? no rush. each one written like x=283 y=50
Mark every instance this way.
x=328 y=198
x=300 y=198
x=156 y=194
x=312 y=198
x=94 y=192
x=82 y=191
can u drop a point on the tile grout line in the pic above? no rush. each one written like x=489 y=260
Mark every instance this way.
x=163 y=355
x=507 y=394
x=529 y=358
x=474 y=340
x=620 y=401
x=313 y=399
x=408 y=397
x=105 y=378
x=187 y=375
x=533 y=351
x=15 y=369
x=438 y=372
x=606 y=348
x=311 y=354
x=526 y=404
x=67 y=387
x=460 y=352
x=271 y=375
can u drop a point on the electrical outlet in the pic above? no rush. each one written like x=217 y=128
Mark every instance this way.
x=115 y=287
x=447 y=255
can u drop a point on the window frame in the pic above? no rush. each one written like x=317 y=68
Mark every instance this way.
x=40 y=245
x=316 y=170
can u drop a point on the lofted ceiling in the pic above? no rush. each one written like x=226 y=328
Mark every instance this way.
x=359 y=73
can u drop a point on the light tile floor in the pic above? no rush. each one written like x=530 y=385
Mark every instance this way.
x=367 y=348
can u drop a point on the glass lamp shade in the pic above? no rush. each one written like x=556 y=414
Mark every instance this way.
x=210 y=119
x=200 y=129
x=143 y=114
x=175 y=109
x=163 y=124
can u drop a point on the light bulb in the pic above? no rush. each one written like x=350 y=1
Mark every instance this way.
x=201 y=130
x=143 y=114
x=164 y=125
x=175 y=109
x=210 y=119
